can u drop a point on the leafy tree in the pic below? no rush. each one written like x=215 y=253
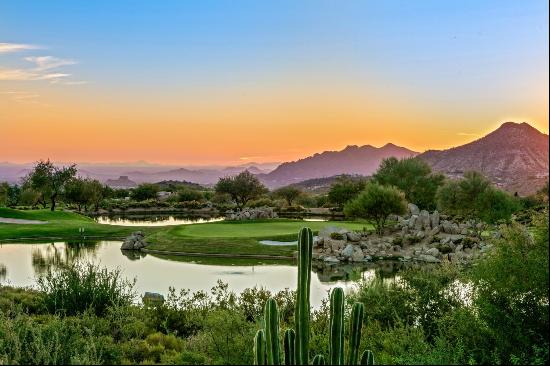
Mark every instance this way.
x=474 y=196
x=10 y=195
x=96 y=192
x=49 y=180
x=511 y=291
x=288 y=193
x=242 y=187
x=345 y=189
x=376 y=203
x=414 y=177
x=144 y=192
x=75 y=192
x=186 y=194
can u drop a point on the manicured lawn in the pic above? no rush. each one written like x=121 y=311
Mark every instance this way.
x=216 y=237
x=238 y=237
x=60 y=224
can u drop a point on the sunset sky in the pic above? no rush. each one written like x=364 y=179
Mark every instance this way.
x=230 y=82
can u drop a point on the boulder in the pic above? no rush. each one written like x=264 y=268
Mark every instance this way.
x=331 y=259
x=348 y=251
x=413 y=209
x=135 y=241
x=425 y=219
x=434 y=218
x=428 y=258
x=433 y=252
x=353 y=236
x=328 y=230
x=357 y=255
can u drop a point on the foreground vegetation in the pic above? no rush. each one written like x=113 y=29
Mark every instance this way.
x=495 y=312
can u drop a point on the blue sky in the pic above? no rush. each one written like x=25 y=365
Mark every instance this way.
x=484 y=56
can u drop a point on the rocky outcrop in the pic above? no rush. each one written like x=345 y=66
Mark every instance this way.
x=136 y=241
x=420 y=236
x=251 y=214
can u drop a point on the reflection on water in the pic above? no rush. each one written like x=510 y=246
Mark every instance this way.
x=154 y=273
x=156 y=220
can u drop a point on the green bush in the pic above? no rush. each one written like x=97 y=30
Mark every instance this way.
x=76 y=288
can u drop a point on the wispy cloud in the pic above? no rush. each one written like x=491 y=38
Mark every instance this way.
x=44 y=67
x=48 y=62
x=15 y=47
x=24 y=97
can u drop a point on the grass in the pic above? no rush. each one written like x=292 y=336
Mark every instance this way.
x=61 y=224
x=238 y=237
x=224 y=237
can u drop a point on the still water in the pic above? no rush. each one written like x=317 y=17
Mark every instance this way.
x=155 y=220
x=23 y=262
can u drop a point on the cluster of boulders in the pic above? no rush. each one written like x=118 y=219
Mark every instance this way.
x=135 y=241
x=418 y=236
x=251 y=214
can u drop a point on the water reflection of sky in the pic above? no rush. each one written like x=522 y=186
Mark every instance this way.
x=155 y=220
x=23 y=262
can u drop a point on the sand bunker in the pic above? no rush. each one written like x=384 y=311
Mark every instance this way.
x=5 y=220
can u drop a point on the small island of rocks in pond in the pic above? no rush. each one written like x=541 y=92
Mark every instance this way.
x=418 y=236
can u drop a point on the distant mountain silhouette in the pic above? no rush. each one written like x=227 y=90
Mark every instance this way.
x=355 y=160
x=122 y=182
x=514 y=157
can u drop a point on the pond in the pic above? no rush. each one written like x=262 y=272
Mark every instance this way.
x=172 y=219
x=21 y=263
x=156 y=220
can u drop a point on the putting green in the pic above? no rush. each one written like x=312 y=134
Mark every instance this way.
x=258 y=229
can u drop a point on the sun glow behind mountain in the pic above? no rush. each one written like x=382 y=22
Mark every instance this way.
x=218 y=82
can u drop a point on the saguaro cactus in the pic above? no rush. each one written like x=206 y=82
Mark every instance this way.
x=356 y=322
x=288 y=345
x=305 y=248
x=271 y=319
x=296 y=343
x=336 y=341
x=259 y=348
x=367 y=358
x=319 y=360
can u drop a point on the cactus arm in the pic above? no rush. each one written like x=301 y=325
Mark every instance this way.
x=356 y=323
x=288 y=343
x=271 y=319
x=319 y=360
x=336 y=341
x=259 y=348
x=305 y=247
x=367 y=358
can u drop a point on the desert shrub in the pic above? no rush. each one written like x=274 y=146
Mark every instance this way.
x=190 y=205
x=76 y=288
x=336 y=236
x=261 y=202
x=189 y=194
x=398 y=240
x=145 y=191
x=344 y=190
x=376 y=203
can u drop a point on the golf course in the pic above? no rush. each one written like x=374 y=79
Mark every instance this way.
x=223 y=237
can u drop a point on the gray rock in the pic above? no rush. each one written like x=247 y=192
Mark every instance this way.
x=434 y=218
x=357 y=255
x=331 y=259
x=348 y=251
x=434 y=231
x=433 y=252
x=328 y=230
x=353 y=236
x=428 y=258
x=425 y=219
x=458 y=248
x=413 y=209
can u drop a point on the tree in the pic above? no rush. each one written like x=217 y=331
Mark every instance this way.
x=96 y=192
x=75 y=192
x=414 y=177
x=242 y=187
x=10 y=195
x=144 y=192
x=345 y=189
x=376 y=203
x=187 y=194
x=50 y=180
x=474 y=196
x=288 y=193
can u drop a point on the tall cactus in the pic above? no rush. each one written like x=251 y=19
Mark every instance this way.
x=336 y=336
x=305 y=248
x=259 y=348
x=271 y=319
x=367 y=358
x=288 y=345
x=356 y=322
x=318 y=360
x=296 y=343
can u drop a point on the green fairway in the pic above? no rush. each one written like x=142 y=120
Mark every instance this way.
x=225 y=237
x=60 y=224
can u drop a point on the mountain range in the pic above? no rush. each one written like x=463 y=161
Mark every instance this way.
x=514 y=157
